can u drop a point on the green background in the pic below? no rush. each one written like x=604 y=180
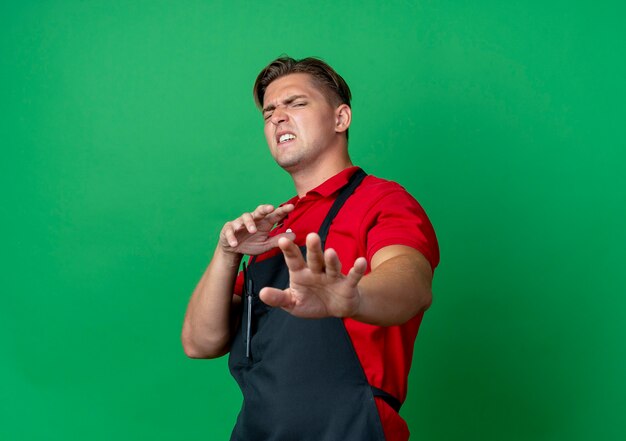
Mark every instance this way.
x=129 y=136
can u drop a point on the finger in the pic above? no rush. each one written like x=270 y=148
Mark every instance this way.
x=332 y=262
x=278 y=214
x=248 y=221
x=357 y=271
x=229 y=234
x=261 y=211
x=237 y=224
x=293 y=256
x=314 y=255
x=276 y=297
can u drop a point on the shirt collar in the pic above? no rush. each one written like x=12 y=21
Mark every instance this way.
x=330 y=185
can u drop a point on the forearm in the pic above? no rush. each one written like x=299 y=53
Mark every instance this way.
x=395 y=291
x=212 y=309
x=208 y=321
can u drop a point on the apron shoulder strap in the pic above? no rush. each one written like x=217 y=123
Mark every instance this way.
x=387 y=397
x=346 y=192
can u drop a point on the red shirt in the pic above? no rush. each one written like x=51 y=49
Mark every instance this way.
x=378 y=214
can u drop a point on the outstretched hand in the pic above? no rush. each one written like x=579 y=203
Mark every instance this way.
x=317 y=288
x=249 y=233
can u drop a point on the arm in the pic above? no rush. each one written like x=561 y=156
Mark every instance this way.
x=212 y=310
x=397 y=288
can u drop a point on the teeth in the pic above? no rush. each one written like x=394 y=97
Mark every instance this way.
x=286 y=137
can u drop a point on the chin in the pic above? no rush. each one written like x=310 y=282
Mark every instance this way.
x=287 y=161
x=288 y=165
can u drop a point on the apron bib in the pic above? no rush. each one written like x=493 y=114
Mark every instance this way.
x=301 y=379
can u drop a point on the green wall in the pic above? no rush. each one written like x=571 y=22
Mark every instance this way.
x=129 y=135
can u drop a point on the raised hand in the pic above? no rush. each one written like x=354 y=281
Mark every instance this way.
x=317 y=288
x=249 y=233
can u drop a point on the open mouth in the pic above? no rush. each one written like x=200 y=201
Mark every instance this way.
x=285 y=137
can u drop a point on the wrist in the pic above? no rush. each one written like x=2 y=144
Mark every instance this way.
x=228 y=258
x=359 y=307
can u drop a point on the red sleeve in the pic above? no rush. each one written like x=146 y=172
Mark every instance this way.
x=400 y=220
x=239 y=284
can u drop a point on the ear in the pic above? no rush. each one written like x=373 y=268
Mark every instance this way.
x=343 y=118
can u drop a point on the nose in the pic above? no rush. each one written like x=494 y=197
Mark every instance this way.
x=279 y=116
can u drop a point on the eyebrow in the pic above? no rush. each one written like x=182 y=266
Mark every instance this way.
x=286 y=101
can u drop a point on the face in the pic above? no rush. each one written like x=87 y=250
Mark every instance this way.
x=300 y=123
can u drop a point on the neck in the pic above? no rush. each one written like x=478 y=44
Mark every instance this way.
x=307 y=179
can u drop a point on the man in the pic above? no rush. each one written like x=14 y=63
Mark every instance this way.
x=322 y=322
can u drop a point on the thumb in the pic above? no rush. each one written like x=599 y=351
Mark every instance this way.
x=289 y=235
x=276 y=297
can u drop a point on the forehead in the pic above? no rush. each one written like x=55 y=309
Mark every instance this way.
x=289 y=85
